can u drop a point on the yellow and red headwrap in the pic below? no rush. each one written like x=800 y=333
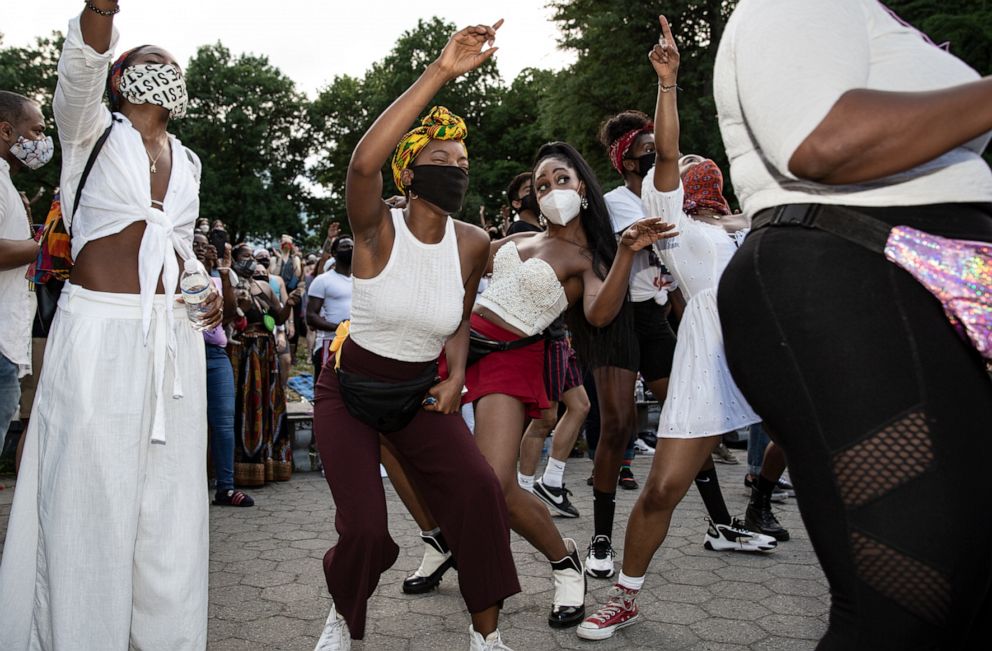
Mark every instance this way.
x=439 y=124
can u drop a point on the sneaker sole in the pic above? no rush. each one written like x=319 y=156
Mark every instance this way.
x=604 y=633
x=554 y=507
x=737 y=548
x=600 y=574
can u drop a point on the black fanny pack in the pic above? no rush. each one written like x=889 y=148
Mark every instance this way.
x=385 y=406
x=479 y=345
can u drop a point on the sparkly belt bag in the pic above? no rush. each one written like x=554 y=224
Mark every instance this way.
x=957 y=272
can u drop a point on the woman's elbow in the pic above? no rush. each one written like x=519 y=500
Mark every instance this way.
x=817 y=159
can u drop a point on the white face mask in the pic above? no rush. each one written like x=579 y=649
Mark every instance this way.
x=155 y=83
x=33 y=153
x=560 y=206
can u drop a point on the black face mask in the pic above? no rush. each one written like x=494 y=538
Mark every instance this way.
x=442 y=185
x=645 y=163
x=529 y=202
x=261 y=277
x=343 y=256
x=244 y=268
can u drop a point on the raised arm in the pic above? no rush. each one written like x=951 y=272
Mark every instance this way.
x=89 y=47
x=664 y=57
x=363 y=190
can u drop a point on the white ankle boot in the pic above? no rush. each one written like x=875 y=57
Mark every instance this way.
x=335 y=636
x=492 y=642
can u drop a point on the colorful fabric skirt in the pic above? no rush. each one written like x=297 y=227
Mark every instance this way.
x=262 y=450
x=562 y=372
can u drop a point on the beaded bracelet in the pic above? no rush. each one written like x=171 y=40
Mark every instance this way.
x=103 y=12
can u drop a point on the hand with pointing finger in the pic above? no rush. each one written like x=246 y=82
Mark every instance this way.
x=665 y=55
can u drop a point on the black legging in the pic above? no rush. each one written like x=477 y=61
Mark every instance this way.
x=885 y=415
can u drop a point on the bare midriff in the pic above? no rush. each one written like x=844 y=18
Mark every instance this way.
x=496 y=320
x=110 y=264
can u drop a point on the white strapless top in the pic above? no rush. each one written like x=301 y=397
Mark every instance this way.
x=525 y=294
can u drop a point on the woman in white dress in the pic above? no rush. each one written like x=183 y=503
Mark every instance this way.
x=702 y=403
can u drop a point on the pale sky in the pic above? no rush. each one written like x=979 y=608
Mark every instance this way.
x=311 y=41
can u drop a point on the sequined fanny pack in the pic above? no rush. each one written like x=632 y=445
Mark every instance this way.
x=957 y=272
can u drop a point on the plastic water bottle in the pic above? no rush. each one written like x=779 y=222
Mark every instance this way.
x=195 y=286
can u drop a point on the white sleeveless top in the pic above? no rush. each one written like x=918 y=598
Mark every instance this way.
x=410 y=309
x=525 y=294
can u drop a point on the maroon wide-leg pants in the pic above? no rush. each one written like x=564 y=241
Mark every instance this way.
x=442 y=460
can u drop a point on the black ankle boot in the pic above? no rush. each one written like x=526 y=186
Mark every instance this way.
x=759 y=516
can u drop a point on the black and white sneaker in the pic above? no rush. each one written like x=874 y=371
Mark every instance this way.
x=599 y=558
x=556 y=498
x=437 y=560
x=735 y=537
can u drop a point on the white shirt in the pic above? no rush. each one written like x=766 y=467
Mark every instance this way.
x=118 y=190
x=783 y=64
x=646 y=281
x=335 y=290
x=17 y=301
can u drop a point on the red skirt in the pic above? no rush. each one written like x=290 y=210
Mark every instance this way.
x=517 y=373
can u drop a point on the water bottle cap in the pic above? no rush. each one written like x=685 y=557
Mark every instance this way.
x=191 y=266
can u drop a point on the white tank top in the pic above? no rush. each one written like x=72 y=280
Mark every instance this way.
x=410 y=309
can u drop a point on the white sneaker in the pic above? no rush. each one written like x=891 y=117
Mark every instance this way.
x=335 y=636
x=599 y=558
x=736 y=537
x=643 y=448
x=492 y=642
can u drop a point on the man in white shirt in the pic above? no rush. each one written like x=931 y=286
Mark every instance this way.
x=22 y=144
x=329 y=301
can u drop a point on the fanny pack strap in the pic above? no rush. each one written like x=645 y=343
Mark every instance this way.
x=851 y=225
x=502 y=346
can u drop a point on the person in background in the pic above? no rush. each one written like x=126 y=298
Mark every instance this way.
x=220 y=377
x=329 y=302
x=23 y=144
x=836 y=111
x=286 y=330
x=521 y=197
x=106 y=546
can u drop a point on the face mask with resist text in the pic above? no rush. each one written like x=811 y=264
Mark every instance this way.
x=161 y=84
x=561 y=206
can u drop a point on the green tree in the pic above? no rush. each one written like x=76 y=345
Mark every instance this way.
x=611 y=73
x=503 y=122
x=965 y=25
x=32 y=72
x=247 y=122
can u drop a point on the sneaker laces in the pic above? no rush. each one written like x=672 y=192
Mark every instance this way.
x=618 y=602
x=601 y=547
x=740 y=528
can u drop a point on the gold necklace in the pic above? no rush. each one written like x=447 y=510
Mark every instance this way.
x=154 y=168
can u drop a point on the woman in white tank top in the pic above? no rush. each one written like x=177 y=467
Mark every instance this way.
x=416 y=271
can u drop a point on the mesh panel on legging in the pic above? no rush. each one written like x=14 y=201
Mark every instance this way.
x=884 y=460
x=914 y=585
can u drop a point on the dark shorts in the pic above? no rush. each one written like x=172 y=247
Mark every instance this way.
x=655 y=340
x=561 y=369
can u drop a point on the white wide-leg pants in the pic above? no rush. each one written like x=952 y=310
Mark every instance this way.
x=106 y=547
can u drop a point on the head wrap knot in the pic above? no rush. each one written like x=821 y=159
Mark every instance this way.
x=439 y=124
x=703 y=183
x=620 y=146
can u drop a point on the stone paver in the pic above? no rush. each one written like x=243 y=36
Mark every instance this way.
x=267 y=586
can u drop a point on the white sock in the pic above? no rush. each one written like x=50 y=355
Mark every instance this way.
x=554 y=473
x=630 y=582
x=430 y=534
x=526 y=482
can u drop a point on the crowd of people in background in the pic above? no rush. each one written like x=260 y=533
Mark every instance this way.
x=449 y=353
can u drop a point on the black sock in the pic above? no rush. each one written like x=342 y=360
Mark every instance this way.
x=709 y=490
x=765 y=486
x=603 y=506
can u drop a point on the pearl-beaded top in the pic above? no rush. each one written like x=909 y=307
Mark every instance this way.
x=524 y=293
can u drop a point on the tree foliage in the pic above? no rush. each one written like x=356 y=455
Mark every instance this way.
x=248 y=124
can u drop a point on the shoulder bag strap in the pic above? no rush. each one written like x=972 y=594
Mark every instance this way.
x=87 y=169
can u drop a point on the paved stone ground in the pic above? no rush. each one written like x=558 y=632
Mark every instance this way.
x=267 y=588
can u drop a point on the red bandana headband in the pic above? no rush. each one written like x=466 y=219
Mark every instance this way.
x=703 y=184
x=619 y=148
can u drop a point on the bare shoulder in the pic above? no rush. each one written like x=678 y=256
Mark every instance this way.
x=471 y=238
